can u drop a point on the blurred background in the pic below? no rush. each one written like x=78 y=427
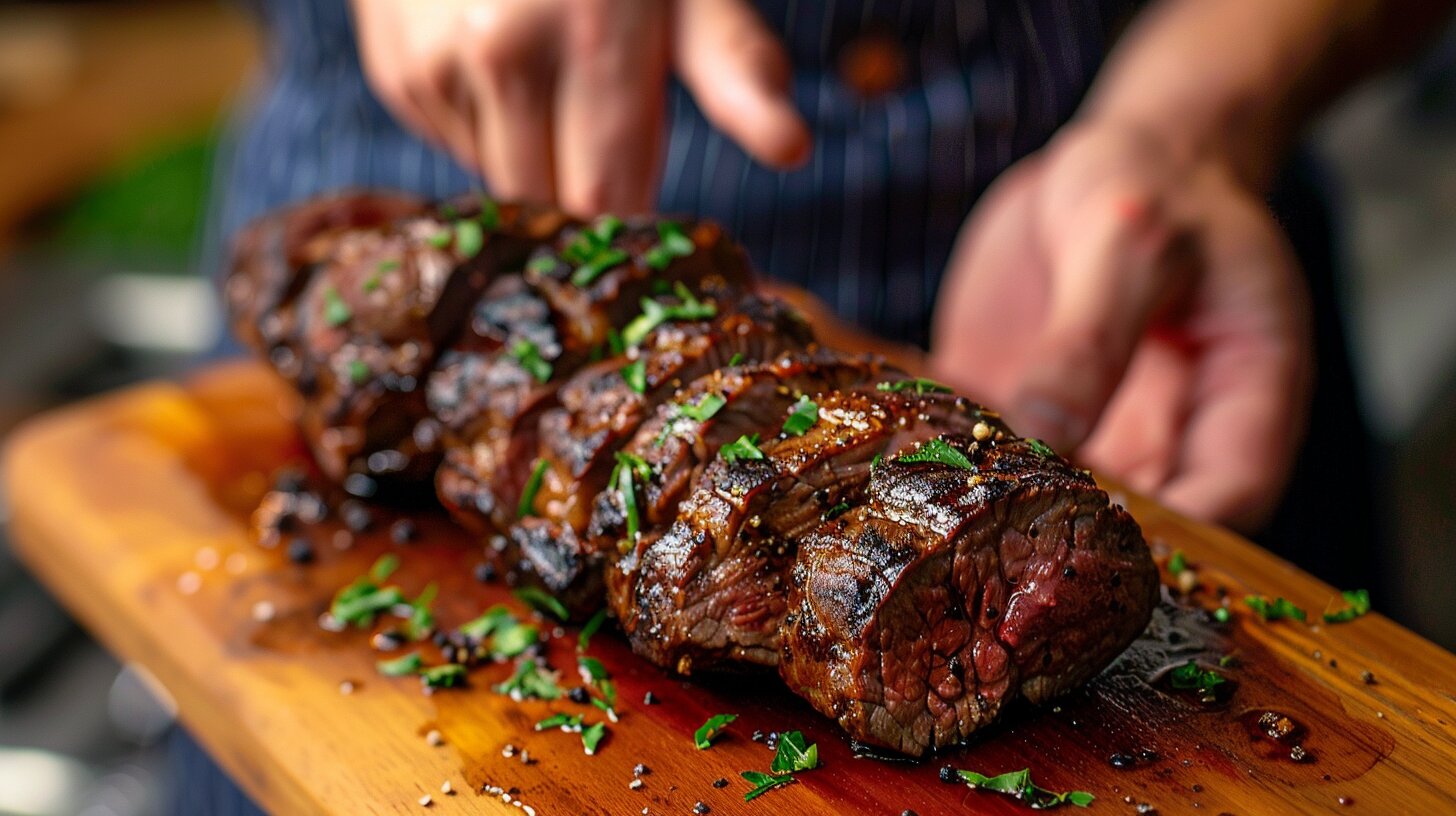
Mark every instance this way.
x=110 y=114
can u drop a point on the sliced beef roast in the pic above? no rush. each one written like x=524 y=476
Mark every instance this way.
x=378 y=307
x=604 y=404
x=586 y=284
x=975 y=572
x=711 y=588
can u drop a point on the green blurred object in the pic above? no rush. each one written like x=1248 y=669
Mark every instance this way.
x=148 y=208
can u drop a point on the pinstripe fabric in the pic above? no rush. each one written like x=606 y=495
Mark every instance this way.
x=867 y=225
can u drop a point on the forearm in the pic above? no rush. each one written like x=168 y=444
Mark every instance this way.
x=1241 y=77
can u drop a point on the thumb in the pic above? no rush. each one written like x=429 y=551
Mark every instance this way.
x=1108 y=279
x=738 y=73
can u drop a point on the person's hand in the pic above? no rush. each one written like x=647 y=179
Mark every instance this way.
x=1139 y=310
x=561 y=101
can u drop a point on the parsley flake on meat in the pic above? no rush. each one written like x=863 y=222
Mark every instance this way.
x=526 y=506
x=919 y=385
x=529 y=357
x=744 y=447
x=802 y=417
x=939 y=452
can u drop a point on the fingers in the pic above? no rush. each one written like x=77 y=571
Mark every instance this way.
x=609 y=107
x=1108 y=276
x=738 y=73
x=1250 y=398
x=507 y=68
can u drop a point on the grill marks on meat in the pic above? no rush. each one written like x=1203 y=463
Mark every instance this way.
x=711 y=588
x=376 y=308
x=599 y=413
x=490 y=458
x=907 y=563
x=917 y=616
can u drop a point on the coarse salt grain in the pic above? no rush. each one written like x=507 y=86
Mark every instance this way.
x=426 y=801
x=264 y=611
x=189 y=582
x=434 y=737
x=446 y=789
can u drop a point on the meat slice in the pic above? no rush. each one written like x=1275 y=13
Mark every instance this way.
x=275 y=256
x=498 y=381
x=604 y=404
x=712 y=588
x=975 y=572
x=379 y=311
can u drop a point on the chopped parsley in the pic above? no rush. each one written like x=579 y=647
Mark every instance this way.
x=875 y=462
x=735 y=359
x=635 y=374
x=525 y=353
x=469 y=238
x=387 y=265
x=836 y=511
x=1277 y=609
x=704 y=736
x=447 y=675
x=704 y=409
x=672 y=243
x=566 y=722
x=591 y=628
x=372 y=282
x=336 y=311
x=401 y=666
x=1192 y=677
x=542 y=264
x=802 y=417
x=655 y=313
x=791 y=756
x=421 y=621
x=526 y=506
x=937 y=451
x=530 y=681
x=615 y=344
x=628 y=466
x=794 y=755
x=513 y=639
x=592 y=737
x=763 y=783
x=542 y=601
x=1040 y=448
x=744 y=447
x=359 y=372
x=919 y=385
x=1357 y=603
x=358 y=603
x=593 y=672
x=1222 y=615
x=1018 y=784
x=489 y=213
x=599 y=263
x=591 y=251
x=494 y=619
x=439 y=240
x=1177 y=562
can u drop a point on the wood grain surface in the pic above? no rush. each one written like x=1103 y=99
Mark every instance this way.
x=134 y=510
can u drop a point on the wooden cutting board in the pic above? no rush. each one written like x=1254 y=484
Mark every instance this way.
x=133 y=509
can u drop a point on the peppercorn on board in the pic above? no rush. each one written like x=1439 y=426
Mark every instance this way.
x=134 y=509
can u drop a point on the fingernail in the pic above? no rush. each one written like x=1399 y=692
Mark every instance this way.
x=1049 y=421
